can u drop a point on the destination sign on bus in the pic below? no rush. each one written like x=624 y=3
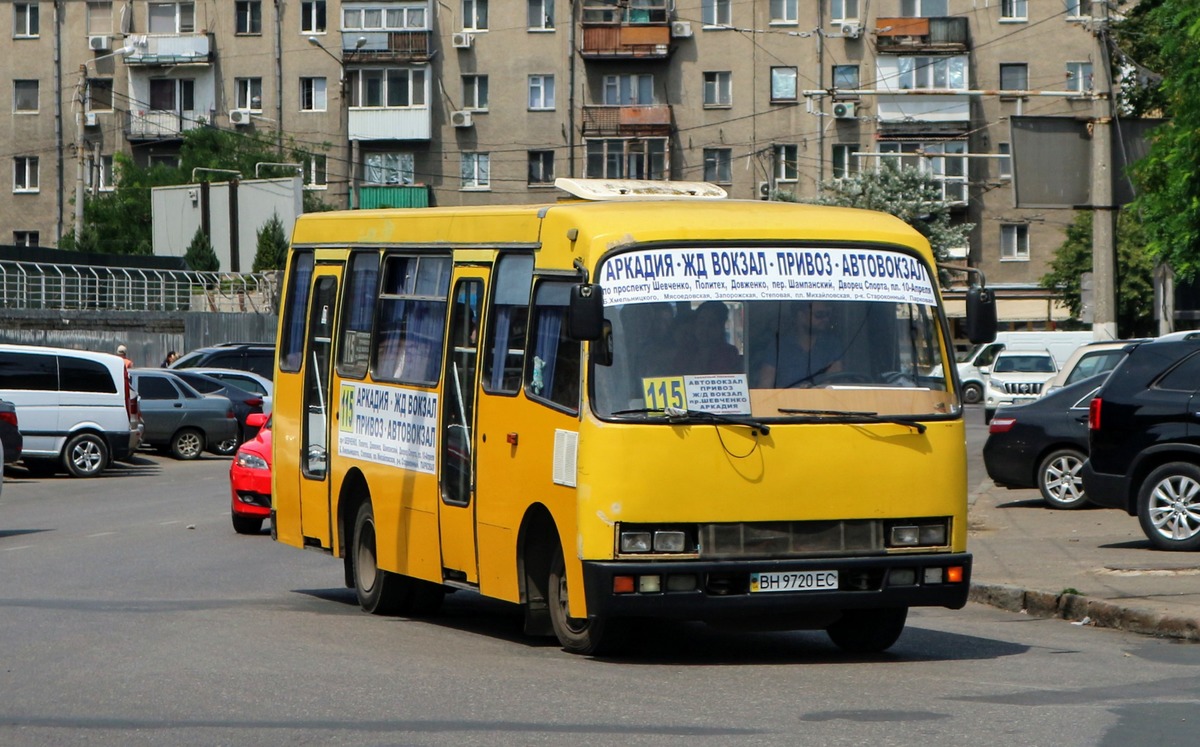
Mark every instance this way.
x=388 y=425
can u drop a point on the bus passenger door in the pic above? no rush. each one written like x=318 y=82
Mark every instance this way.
x=315 y=520
x=456 y=463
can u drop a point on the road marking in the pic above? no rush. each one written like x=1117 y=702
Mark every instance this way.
x=18 y=547
x=101 y=534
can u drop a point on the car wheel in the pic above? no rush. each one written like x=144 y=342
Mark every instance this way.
x=85 y=455
x=379 y=592
x=972 y=393
x=868 y=631
x=228 y=447
x=247 y=524
x=1169 y=506
x=1060 y=481
x=592 y=635
x=187 y=444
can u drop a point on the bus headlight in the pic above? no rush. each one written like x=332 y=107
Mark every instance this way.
x=669 y=541
x=673 y=539
x=918 y=533
x=635 y=541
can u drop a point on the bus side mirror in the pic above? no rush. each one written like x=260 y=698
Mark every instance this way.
x=981 y=315
x=585 y=314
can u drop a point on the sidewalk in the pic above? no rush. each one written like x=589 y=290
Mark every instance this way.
x=1093 y=565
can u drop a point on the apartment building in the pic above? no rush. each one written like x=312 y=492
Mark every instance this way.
x=408 y=103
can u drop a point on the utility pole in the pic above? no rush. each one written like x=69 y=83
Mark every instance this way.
x=1104 y=254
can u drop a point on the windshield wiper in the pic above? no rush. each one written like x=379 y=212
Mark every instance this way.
x=872 y=417
x=684 y=415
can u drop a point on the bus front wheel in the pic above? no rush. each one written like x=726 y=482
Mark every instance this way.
x=589 y=636
x=868 y=631
x=379 y=592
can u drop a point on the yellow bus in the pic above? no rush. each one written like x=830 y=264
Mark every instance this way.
x=644 y=400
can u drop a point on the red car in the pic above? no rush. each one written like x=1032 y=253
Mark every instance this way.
x=250 y=478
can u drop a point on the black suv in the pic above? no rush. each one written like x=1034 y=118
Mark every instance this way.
x=257 y=357
x=1144 y=442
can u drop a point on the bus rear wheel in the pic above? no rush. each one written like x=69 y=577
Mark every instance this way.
x=379 y=592
x=589 y=636
x=868 y=631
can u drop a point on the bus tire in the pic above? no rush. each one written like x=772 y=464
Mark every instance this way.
x=593 y=636
x=868 y=631
x=379 y=592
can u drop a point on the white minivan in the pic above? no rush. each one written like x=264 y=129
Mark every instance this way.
x=75 y=408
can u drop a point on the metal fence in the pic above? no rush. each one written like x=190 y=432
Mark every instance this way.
x=38 y=285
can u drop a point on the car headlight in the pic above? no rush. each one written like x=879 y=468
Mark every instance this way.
x=250 y=461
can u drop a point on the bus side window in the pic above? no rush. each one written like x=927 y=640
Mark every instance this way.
x=358 y=304
x=295 y=313
x=552 y=361
x=504 y=351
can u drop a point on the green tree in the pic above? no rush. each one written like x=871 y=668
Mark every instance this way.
x=1135 y=272
x=911 y=196
x=1138 y=61
x=272 y=246
x=200 y=255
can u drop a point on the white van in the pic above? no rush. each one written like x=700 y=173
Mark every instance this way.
x=75 y=408
x=973 y=367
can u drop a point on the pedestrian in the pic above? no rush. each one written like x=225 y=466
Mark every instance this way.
x=121 y=351
x=171 y=356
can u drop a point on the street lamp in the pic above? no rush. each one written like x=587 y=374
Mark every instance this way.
x=343 y=106
x=80 y=161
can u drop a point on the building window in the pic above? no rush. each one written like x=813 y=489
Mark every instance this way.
x=1014 y=76
x=1014 y=242
x=1005 y=160
x=785 y=11
x=248 y=93
x=845 y=78
x=170 y=95
x=716 y=12
x=476 y=168
x=26 y=238
x=718 y=165
x=172 y=18
x=1078 y=9
x=25 y=174
x=99 y=175
x=843 y=10
x=312 y=17
x=945 y=161
x=25 y=20
x=316 y=175
x=165 y=160
x=100 y=95
x=249 y=16
x=718 y=88
x=939 y=73
x=399 y=18
x=622 y=158
x=390 y=88
x=475 y=92
x=787 y=162
x=475 y=15
x=629 y=90
x=312 y=95
x=389 y=168
x=100 y=17
x=844 y=161
x=25 y=95
x=541 y=92
x=783 y=84
x=1079 y=76
x=541 y=15
x=541 y=167
x=924 y=8
x=1014 y=10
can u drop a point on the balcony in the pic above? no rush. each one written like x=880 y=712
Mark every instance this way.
x=162 y=125
x=386 y=46
x=393 y=196
x=622 y=42
x=654 y=119
x=380 y=123
x=899 y=35
x=171 y=49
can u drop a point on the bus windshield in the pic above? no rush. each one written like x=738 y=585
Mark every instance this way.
x=770 y=349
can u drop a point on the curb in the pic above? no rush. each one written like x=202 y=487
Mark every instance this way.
x=1077 y=608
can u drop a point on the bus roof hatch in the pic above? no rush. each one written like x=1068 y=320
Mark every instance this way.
x=639 y=189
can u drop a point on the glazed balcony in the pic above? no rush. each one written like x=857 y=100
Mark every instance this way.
x=386 y=46
x=150 y=50
x=654 y=119
x=900 y=35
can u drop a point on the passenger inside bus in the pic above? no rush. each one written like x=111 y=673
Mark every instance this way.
x=806 y=349
x=703 y=346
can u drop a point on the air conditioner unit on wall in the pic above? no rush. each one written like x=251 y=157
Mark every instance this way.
x=462 y=40
x=681 y=29
x=764 y=190
x=89 y=119
x=461 y=118
x=99 y=43
x=845 y=110
x=239 y=117
x=851 y=30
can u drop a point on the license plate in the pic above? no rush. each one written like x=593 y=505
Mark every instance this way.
x=794 y=581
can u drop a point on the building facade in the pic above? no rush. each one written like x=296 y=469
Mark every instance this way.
x=403 y=103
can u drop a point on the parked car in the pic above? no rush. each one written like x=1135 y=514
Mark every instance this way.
x=178 y=418
x=258 y=357
x=1144 y=444
x=248 y=380
x=245 y=404
x=76 y=408
x=1089 y=360
x=1017 y=375
x=11 y=440
x=1042 y=444
x=250 y=479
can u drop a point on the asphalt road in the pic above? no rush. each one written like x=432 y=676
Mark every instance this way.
x=132 y=614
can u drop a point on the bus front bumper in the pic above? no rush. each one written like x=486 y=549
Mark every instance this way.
x=732 y=590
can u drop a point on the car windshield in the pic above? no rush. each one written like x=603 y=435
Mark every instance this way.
x=1023 y=364
x=777 y=347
